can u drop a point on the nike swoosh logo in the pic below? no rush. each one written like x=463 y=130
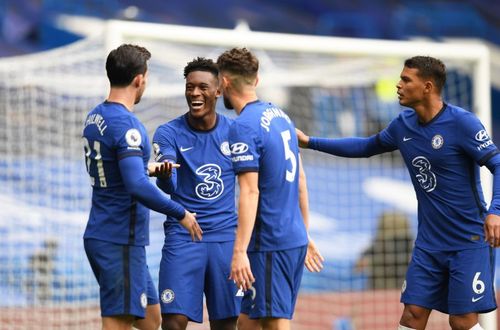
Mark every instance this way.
x=406 y=139
x=476 y=299
x=186 y=149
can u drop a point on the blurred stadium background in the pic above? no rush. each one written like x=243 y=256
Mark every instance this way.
x=52 y=73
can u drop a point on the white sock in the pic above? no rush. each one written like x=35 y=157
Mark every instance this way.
x=402 y=327
x=477 y=327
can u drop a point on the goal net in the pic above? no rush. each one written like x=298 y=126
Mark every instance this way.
x=363 y=211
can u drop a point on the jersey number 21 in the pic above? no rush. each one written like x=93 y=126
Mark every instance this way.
x=96 y=151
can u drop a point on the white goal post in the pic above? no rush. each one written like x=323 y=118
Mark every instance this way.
x=330 y=87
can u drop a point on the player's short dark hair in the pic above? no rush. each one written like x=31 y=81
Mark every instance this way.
x=429 y=67
x=125 y=63
x=239 y=61
x=201 y=64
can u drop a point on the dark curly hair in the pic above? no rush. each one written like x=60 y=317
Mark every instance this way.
x=239 y=62
x=201 y=64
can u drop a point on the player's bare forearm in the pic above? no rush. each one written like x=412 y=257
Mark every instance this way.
x=314 y=259
x=241 y=272
x=303 y=194
x=247 y=209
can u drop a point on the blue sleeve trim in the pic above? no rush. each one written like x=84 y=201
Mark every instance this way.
x=246 y=169
x=135 y=153
x=486 y=158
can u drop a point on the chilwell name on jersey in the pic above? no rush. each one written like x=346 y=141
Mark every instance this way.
x=269 y=114
x=97 y=120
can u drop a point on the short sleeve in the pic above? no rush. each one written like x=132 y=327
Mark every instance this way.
x=164 y=144
x=244 y=146
x=130 y=139
x=474 y=139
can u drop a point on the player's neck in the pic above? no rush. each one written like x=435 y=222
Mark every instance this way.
x=122 y=96
x=243 y=99
x=427 y=111
x=204 y=123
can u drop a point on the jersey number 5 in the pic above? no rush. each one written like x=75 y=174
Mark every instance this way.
x=289 y=155
x=94 y=150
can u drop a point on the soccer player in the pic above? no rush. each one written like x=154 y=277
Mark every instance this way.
x=204 y=182
x=271 y=238
x=117 y=151
x=452 y=266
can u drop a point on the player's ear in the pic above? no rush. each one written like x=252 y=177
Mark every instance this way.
x=137 y=82
x=428 y=86
x=218 y=91
x=223 y=81
x=256 y=80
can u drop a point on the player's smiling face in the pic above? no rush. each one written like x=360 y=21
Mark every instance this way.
x=411 y=88
x=201 y=93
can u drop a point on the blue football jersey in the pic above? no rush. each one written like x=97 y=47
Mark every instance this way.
x=112 y=133
x=443 y=158
x=204 y=182
x=263 y=140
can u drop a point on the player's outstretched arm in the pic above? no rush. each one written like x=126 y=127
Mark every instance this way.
x=138 y=185
x=351 y=147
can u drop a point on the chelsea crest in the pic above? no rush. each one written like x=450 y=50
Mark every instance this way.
x=437 y=141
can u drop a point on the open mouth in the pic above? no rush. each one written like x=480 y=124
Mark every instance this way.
x=196 y=105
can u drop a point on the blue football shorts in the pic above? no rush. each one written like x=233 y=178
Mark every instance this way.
x=189 y=269
x=453 y=282
x=125 y=284
x=277 y=280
